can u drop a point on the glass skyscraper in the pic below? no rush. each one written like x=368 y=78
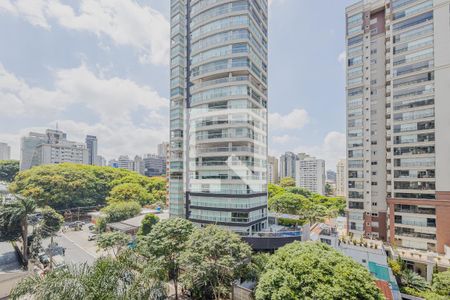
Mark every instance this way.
x=218 y=113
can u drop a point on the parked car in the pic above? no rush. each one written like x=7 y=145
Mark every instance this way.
x=58 y=262
x=44 y=258
x=92 y=237
x=91 y=227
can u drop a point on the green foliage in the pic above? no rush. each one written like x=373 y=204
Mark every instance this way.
x=309 y=206
x=8 y=170
x=441 y=283
x=51 y=221
x=100 y=225
x=414 y=281
x=287 y=182
x=119 y=211
x=122 y=278
x=274 y=190
x=256 y=267
x=14 y=223
x=290 y=222
x=214 y=259
x=314 y=271
x=395 y=266
x=67 y=185
x=147 y=224
x=129 y=192
x=165 y=243
x=113 y=241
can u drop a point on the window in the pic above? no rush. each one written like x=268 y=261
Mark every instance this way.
x=413 y=21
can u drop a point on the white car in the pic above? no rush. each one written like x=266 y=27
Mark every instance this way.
x=92 y=237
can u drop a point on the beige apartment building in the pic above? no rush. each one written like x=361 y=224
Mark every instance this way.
x=272 y=170
x=398 y=142
x=341 y=178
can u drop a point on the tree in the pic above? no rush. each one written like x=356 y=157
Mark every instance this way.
x=414 y=281
x=8 y=170
x=287 y=182
x=66 y=185
x=127 y=192
x=119 y=211
x=147 y=224
x=165 y=243
x=51 y=221
x=287 y=203
x=310 y=270
x=121 y=278
x=328 y=189
x=274 y=190
x=113 y=241
x=441 y=283
x=213 y=260
x=14 y=222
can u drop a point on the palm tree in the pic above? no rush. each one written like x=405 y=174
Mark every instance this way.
x=14 y=222
x=413 y=280
x=124 y=277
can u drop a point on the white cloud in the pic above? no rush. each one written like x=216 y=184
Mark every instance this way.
x=113 y=100
x=282 y=139
x=342 y=59
x=331 y=150
x=296 y=119
x=125 y=22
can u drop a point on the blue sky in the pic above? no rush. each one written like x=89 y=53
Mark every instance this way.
x=101 y=67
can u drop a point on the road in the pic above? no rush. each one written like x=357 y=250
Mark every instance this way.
x=78 y=249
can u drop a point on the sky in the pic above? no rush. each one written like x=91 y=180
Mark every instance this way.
x=101 y=67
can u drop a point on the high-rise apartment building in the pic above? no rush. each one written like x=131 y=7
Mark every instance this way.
x=398 y=70
x=272 y=169
x=138 y=165
x=218 y=112
x=287 y=165
x=5 y=151
x=310 y=173
x=341 y=178
x=91 y=144
x=51 y=147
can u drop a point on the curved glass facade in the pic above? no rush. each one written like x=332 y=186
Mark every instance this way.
x=218 y=157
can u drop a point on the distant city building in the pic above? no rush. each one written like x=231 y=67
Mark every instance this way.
x=51 y=147
x=287 y=165
x=341 y=179
x=113 y=163
x=91 y=144
x=331 y=176
x=138 y=165
x=163 y=149
x=272 y=169
x=5 y=151
x=310 y=173
x=100 y=161
x=124 y=162
x=154 y=165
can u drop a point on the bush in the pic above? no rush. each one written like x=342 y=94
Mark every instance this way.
x=147 y=224
x=119 y=211
x=8 y=170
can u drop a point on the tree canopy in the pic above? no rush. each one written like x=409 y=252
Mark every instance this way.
x=68 y=185
x=147 y=224
x=309 y=270
x=165 y=243
x=119 y=211
x=309 y=206
x=129 y=192
x=113 y=241
x=213 y=260
x=8 y=170
x=287 y=182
